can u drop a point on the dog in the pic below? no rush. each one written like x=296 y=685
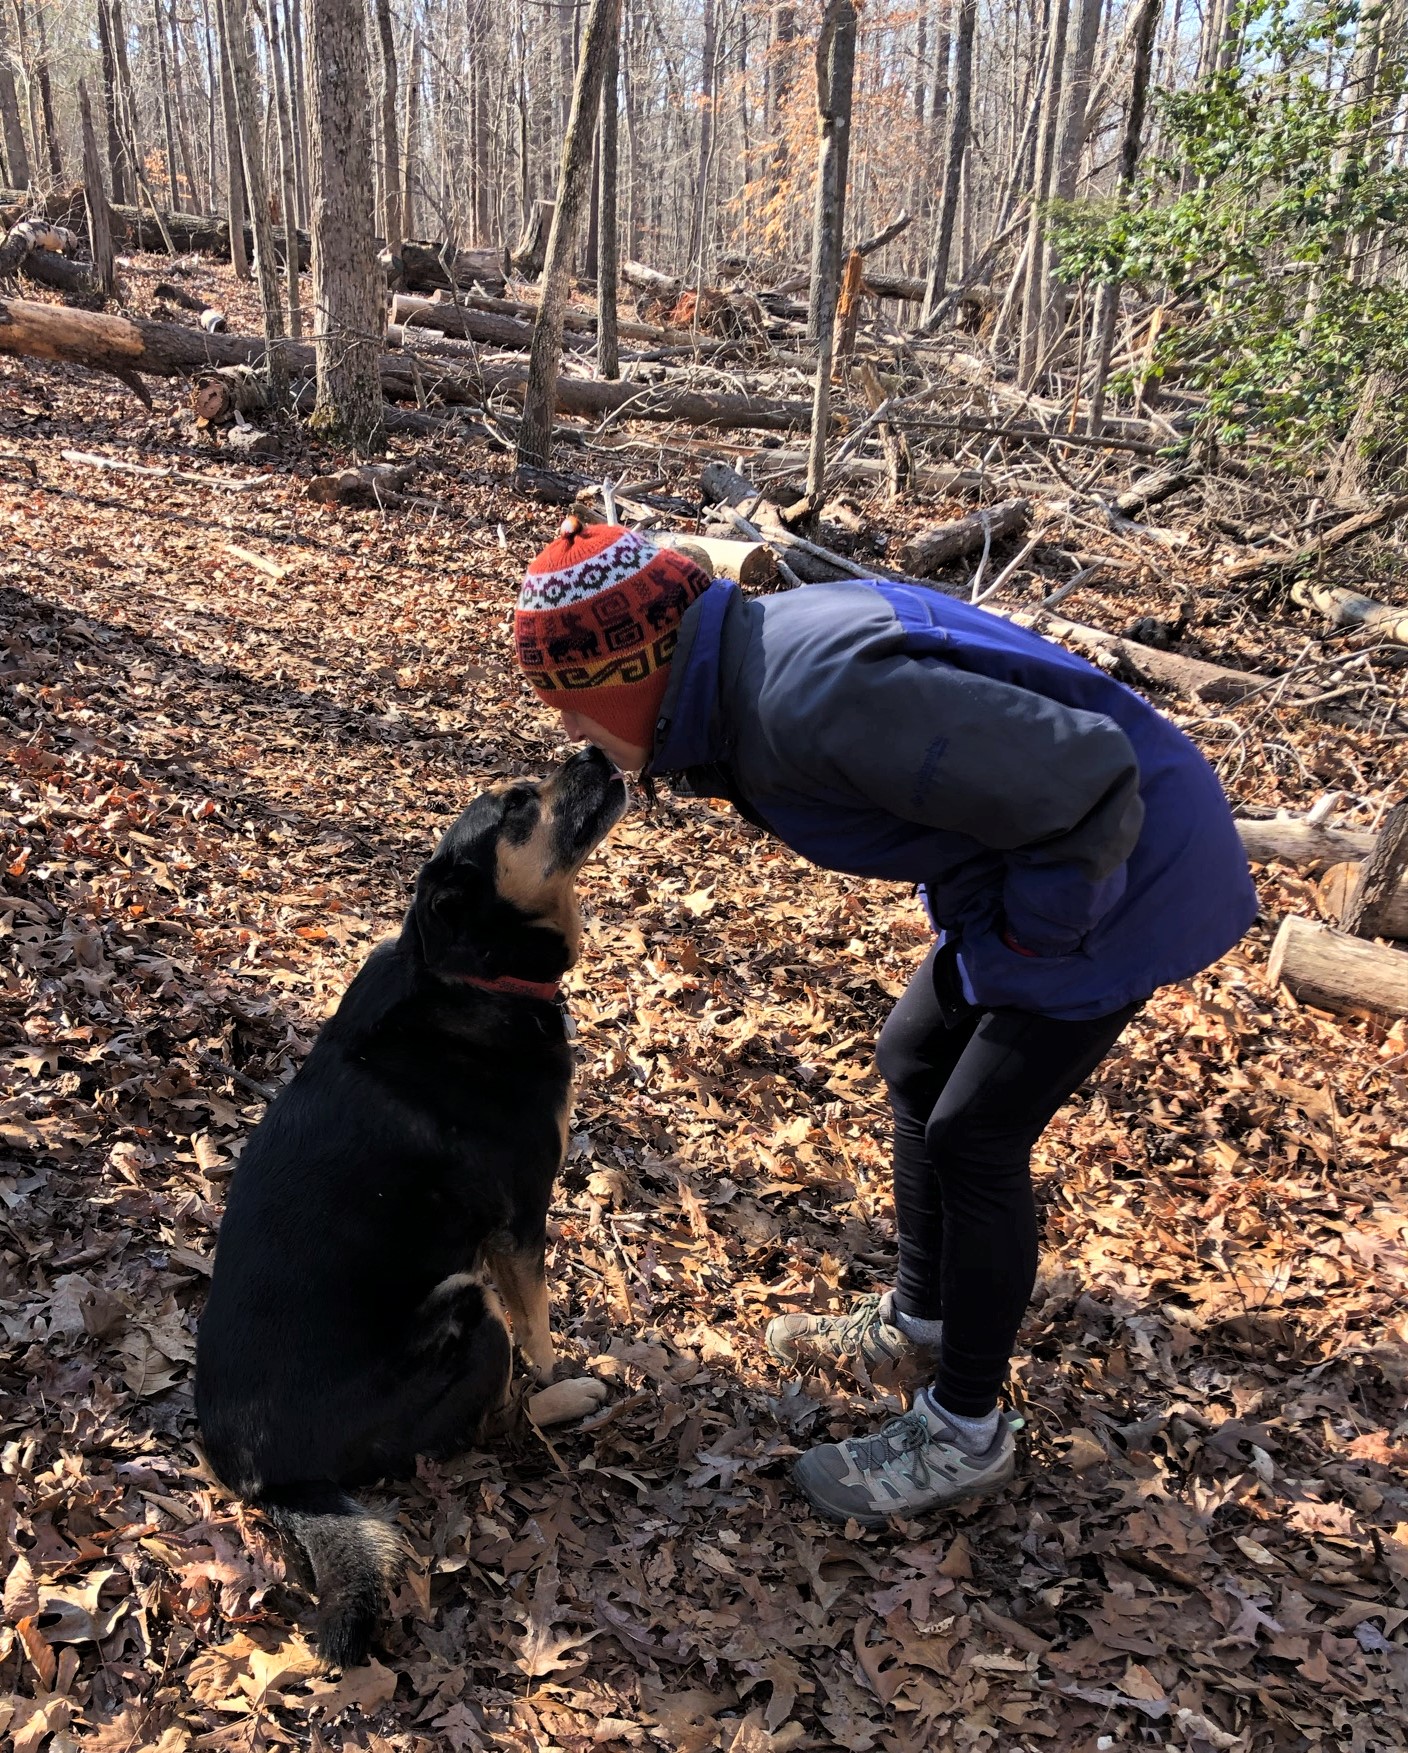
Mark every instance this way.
x=395 y=1191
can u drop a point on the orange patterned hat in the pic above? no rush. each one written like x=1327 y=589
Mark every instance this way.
x=597 y=623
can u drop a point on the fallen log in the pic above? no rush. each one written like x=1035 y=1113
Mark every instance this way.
x=651 y=280
x=32 y=235
x=923 y=554
x=465 y=319
x=372 y=484
x=203 y=234
x=227 y=391
x=1279 y=840
x=1343 y=607
x=459 y=322
x=1189 y=676
x=127 y=345
x=1258 y=565
x=1154 y=488
x=750 y=563
x=1333 y=971
x=76 y=280
x=423 y=266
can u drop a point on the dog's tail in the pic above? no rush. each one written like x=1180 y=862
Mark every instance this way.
x=356 y=1559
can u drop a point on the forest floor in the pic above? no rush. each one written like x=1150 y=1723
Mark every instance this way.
x=221 y=779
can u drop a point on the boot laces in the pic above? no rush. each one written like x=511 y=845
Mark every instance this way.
x=905 y=1435
x=856 y=1326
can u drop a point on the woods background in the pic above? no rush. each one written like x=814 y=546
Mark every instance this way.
x=1091 y=314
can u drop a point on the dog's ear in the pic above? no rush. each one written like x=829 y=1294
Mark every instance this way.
x=451 y=900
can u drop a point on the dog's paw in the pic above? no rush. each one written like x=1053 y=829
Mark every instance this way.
x=565 y=1401
x=542 y=1365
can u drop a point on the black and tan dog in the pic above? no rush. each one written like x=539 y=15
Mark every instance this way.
x=404 y=1173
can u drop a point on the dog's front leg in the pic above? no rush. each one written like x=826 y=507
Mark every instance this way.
x=522 y=1280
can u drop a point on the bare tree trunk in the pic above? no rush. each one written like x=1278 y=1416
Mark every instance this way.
x=184 y=135
x=412 y=144
x=779 y=67
x=348 y=294
x=287 y=178
x=1108 y=300
x=960 y=109
x=130 y=114
x=16 y=152
x=390 y=138
x=574 y=173
x=835 y=80
x=1034 y=291
x=95 y=197
x=297 y=76
x=234 y=165
x=215 y=110
x=46 y=99
x=709 y=79
x=1070 y=139
x=608 y=357
x=164 y=78
x=234 y=24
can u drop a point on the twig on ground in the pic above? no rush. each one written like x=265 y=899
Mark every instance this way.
x=90 y=460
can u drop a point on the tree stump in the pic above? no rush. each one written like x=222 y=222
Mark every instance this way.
x=1375 y=905
x=1327 y=968
x=528 y=258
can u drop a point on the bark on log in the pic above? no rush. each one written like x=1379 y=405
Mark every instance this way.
x=651 y=280
x=76 y=280
x=1332 y=971
x=461 y=323
x=231 y=389
x=1380 y=880
x=531 y=251
x=1188 y=676
x=923 y=554
x=1360 y=524
x=1336 y=891
x=128 y=344
x=1343 y=607
x=1303 y=844
x=1154 y=488
x=448 y=316
x=426 y=266
x=750 y=563
x=372 y=484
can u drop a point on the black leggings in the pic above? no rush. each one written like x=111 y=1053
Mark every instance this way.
x=971 y=1095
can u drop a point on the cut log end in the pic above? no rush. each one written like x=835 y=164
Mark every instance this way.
x=1332 y=971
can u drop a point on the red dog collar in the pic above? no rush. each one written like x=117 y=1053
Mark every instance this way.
x=547 y=990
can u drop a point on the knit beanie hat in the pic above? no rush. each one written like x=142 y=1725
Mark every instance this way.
x=597 y=623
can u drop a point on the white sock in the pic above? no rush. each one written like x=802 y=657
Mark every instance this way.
x=922 y=1332
x=974 y=1434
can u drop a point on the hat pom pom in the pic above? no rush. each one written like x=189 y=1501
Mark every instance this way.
x=570 y=526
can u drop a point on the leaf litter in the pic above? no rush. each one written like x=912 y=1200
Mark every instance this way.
x=220 y=786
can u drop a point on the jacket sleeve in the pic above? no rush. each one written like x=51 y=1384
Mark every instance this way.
x=1052 y=788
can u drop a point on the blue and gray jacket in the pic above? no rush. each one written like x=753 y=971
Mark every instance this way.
x=889 y=731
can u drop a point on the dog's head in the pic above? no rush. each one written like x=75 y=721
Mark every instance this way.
x=499 y=897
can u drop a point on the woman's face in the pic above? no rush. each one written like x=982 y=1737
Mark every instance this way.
x=629 y=757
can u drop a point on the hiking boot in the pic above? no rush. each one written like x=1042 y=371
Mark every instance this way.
x=868 y=1332
x=914 y=1464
